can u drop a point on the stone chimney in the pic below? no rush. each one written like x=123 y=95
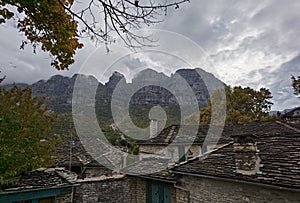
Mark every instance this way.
x=153 y=128
x=246 y=154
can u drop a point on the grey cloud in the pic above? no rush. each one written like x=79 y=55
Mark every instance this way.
x=280 y=83
x=251 y=43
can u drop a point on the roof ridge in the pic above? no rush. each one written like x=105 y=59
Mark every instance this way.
x=201 y=155
x=288 y=126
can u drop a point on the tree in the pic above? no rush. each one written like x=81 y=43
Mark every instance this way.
x=296 y=84
x=54 y=24
x=24 y=126
x=243 y=105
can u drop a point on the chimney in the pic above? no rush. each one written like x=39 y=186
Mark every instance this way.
x=153 y=128
x=136 y=3
x=246 y=154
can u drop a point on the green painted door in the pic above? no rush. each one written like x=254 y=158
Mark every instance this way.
x=158 y=193
x=167 y=194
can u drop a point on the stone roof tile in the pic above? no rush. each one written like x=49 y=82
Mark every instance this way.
x=44 y=178
x=279 y=165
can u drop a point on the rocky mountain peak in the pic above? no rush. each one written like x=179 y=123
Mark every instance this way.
x=114 y=79
x=155 y=88
x=149 y=75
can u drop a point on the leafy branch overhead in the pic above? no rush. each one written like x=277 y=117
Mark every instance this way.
x=57 y=25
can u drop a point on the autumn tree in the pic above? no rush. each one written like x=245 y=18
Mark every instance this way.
x=25 y=125
x=296 y=84
x=57 y=25
x=243 y=105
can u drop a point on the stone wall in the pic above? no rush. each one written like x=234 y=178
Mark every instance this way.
x=124 y=189
x=172 y=152
x=64 y=197
x=151 y=149
x=129 y=189
x=96 y=171
x=181 y=196
x=209 y=190
x=141 y=190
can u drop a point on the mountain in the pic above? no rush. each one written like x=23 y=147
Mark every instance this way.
x=148 y=87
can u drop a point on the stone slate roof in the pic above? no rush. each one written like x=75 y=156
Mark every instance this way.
x=280 y=162
x=170 y=134
x=108 y=157
x=145 y=168
x=44 y=179
x=264 y=128
x=292 y=124
x=79 y=156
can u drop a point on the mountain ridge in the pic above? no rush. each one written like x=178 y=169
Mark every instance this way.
x=58 y=89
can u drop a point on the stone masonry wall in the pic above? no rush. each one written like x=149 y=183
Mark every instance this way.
x=64 y=197
x=209 y=190
x=148 y=150
x=141 y=190
x=126 y=189
x=181 y=196
x=96 y=171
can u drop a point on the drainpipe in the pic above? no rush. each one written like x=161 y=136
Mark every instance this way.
x=72 y=196
x=185 y=190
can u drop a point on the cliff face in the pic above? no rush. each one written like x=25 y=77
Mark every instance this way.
x=180 y=87
x=148 y=88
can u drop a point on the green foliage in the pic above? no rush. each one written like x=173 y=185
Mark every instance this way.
x=24 y=126
x=296 y=84
x=66 y=129
x=140 y=115
x=243 y=105
x=46 y=23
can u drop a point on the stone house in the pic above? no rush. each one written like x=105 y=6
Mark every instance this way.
x=260 y=164
x=176 y=143
x=262 y=168
x=292 y=115
x=257 y=162
x=41 y=186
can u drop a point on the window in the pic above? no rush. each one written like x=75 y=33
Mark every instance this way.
x=48 y=200
x=181 y=153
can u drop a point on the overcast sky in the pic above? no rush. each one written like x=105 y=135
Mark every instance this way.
x=252 y=43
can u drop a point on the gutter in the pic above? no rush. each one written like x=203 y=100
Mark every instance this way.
x=239 y=181
x=157 y=179
x=37 y=189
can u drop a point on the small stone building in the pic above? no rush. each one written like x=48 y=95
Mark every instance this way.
x=41 y=186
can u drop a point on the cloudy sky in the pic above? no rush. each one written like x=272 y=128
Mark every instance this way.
x=252 y=43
